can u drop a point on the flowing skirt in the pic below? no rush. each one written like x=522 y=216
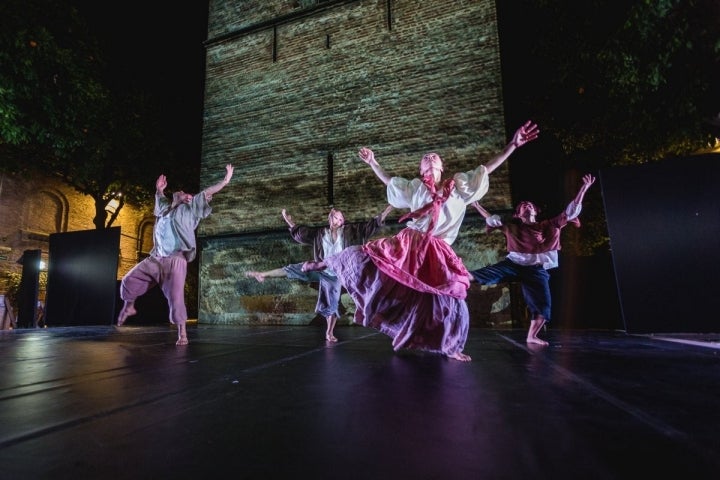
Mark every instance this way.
x=414 y=319
x=421 y=262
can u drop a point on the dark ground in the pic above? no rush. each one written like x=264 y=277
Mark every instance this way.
x=277 y=402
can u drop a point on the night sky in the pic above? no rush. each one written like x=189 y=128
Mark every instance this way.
x=157 y=47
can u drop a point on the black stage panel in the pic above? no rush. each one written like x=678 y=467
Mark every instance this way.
x=29 y=286
x=82 y=277
x=664 y=225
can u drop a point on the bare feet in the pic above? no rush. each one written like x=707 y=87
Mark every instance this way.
x=330 y=330
x=460 y=357
x=182 y=335
x=535 y=326
x=127 y=311
x=256 y=275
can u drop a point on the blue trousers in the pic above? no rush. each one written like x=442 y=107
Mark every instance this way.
x=534 y=281
x=329 y=288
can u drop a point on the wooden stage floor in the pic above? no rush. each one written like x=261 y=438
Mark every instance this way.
x=278 y=403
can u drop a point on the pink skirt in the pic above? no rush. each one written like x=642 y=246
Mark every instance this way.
x=422 y=262
x=414 y=319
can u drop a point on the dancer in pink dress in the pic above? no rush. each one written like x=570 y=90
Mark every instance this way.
x=412 y=286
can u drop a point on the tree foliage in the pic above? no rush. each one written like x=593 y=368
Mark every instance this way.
x=61 y=114
x=627 y=82
x=613 y=83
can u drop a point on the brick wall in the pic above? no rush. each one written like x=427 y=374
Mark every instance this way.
x=292 y=92
x=32 y=209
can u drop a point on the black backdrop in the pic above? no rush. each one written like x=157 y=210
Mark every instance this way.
x=82 y=277
x=664 y=225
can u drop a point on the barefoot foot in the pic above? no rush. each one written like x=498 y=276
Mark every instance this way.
x=256 y=275
x=536 y=341
x=460 y=357
x=182 y=341
x=330 y=338
x=124 y=313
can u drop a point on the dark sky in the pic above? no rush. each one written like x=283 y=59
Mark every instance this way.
x=157 y=46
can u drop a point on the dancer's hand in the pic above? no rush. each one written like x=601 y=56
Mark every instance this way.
x=527 y=133
x=161 y=184
x=288 y=219
x=367 y=156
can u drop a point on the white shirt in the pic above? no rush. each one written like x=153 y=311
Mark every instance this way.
x=549 y=259
x=413 y=194
x=330 y=247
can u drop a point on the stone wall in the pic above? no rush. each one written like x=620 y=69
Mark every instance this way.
x=294 y=89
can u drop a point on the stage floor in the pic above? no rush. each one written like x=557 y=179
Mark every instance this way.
x=278 y=403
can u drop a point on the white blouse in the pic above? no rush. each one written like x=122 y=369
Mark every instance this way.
x=413 y=194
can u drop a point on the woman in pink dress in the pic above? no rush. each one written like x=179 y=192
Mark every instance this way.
x=412 y=286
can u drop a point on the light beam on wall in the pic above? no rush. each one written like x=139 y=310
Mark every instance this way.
x=113 y=204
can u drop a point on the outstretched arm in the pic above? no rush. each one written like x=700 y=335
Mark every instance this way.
x=490 y=220
x=575 y=206
x=527 y=133
x=210 y=191
x=367 y=156
x=481 y=210
x=385 y=213
x=588 y=180
x=288 y=219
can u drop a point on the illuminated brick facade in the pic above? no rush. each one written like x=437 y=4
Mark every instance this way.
x=31 y=210
x=294 y=88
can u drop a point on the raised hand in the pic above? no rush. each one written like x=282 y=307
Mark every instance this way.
x=161 y=183
x=228 y=172
x=526 y=133
x=588 y=180
x=288 y=219
x=367 y=156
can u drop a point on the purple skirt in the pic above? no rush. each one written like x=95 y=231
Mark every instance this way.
x=414 y=320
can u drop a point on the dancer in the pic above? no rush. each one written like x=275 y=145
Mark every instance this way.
x=174 y=246
x=532 y=250
x=412 y=286
x=325 y=241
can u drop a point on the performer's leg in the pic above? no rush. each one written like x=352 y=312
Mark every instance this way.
x=313 y=266
x=261 y=276
x=135 y=283
x=535 y=325
x=328 y=303
x=173 y=287
x=502 y=271
x=535 y=283
x=329 y=333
